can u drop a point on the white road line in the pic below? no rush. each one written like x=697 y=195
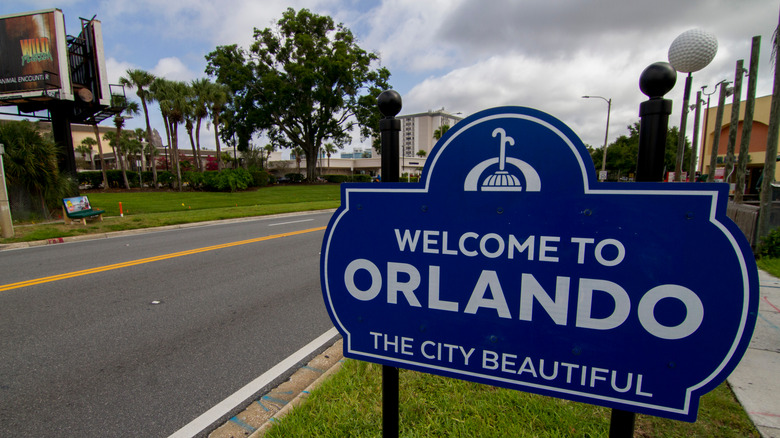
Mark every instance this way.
x=222 y=408
x=291 y=222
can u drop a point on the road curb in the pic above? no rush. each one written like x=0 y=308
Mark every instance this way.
x=228 y=408
x=83 y=237
x=336 y=349
x=260 y=413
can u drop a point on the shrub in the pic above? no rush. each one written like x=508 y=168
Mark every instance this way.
x=165 y=178
x=260 y=178
x=336 y=178
x=194 y=179
x=148 y=177
x=91 y=178
x=770 y=244
x=294 y=177
x=361 y=178
x=226 y=180
x=114 y=178
x=132 y=178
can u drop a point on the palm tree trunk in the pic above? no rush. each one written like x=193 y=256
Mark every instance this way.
x=100 y=153
x=194 y=152
x=175 y=152
x=772 y=137
x=119 y=155
x=197 y=143
x=166 y=122
x=149 y=141
x=216 y=139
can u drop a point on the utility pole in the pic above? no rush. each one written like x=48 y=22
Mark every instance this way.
x=6 y=224
x=695 y=142
x=735 y=103
x=747 y=123
x=724 y=91
x=770 y=159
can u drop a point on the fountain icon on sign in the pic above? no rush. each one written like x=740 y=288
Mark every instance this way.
x=502 y=180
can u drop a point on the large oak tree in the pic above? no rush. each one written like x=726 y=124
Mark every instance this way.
x=304 y=82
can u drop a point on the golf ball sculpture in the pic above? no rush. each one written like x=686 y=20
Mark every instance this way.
x=692 y=50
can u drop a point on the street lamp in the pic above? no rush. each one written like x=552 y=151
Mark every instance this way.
x=691 y=51
x=706 y=120
x=695 y=142
x=603 y=173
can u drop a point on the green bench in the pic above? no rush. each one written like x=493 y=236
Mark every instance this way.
x=79 y=209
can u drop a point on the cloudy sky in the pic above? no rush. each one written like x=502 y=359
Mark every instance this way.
x=462 y=55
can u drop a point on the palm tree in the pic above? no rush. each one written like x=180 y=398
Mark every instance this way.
x=189 y=124
x=218 y=97
x=159 y=91
x=151 y=152
x=172 y=97
x=30 y=162
x=141 y=81
x=100 y=154
x=298 y=151
x=140 y=135
x=130 y=108
x=200 y=90
x=85 y=148
x=268 y=149
x=421 y=153
x=329 y=148
x=134 y=148
x=439 y=133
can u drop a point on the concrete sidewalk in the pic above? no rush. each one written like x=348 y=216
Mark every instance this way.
x=756 y=381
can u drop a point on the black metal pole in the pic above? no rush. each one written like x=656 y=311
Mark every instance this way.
x=389 y=103
x=390 y=405
x=61 y=114
x=655 y=81
x=621 y=424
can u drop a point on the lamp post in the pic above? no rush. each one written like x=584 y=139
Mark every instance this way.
x=706 y=120
x=691 y=51
x=695 y=142
x=603 y=173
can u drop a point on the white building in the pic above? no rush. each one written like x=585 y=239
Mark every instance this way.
x=417 y=130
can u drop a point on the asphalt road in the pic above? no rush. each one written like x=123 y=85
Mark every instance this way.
x=153 y=329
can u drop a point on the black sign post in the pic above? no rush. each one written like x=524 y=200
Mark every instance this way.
x=655 y=81
x=389 y=103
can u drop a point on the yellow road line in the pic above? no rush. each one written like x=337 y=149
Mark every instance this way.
x=148 y=260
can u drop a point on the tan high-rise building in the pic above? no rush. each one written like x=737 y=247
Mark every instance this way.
x=417 y=130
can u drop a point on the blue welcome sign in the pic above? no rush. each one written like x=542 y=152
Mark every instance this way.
x=510 y=265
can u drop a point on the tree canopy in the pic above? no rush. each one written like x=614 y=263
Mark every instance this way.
x=623 y=152
x=30 y=163
x=304 y=82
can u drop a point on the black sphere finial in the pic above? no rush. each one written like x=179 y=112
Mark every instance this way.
x=389 y=103
x=657 y=79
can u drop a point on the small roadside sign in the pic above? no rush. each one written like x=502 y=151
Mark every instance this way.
x=509 y=264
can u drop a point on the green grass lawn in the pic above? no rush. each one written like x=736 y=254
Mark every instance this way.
x=138 y=202
x=145 y=209
x=769 y=265
x=350 y=404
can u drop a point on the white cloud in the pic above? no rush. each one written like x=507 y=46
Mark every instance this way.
x=461 y=54
x=173 y=69
x=116 y=69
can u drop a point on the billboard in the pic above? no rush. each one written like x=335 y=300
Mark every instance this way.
x=33 y=57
